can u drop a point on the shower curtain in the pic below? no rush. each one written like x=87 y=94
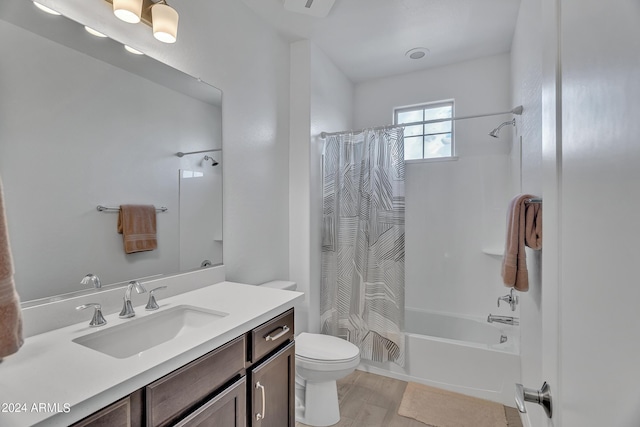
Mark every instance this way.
x=362 y=289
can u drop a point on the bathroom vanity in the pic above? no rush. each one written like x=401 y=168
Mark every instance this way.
x=236 y=370
x=213 y=389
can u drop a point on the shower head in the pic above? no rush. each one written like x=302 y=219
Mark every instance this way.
x=213 y=161
x=496 y=132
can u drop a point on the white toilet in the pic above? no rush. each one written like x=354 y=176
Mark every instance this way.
x=321 y=360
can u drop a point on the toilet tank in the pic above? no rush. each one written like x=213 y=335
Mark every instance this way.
x=280 y=284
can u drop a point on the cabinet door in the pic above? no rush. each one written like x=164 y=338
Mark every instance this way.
x=227 y=409
x=273 y=390
x=125 y=412
x=115 y=415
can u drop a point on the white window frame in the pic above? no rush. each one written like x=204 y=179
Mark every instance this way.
x=424 y=107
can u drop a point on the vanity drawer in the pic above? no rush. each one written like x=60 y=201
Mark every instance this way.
x=270 y=335
x=175 y=394
x=228 y=409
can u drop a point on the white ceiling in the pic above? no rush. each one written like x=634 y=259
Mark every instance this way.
x=367 y=39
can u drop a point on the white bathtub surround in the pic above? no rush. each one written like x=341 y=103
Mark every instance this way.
x=52 y=368
x=362 y=287
x=458 y=353
x=454 y=209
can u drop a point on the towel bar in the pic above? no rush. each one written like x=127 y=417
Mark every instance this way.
x=535 y=200
x=101 y=208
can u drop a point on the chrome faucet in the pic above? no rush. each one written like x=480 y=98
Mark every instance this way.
x=91 y=279
x=511 y=299
x=127 y=309
x=507 y=320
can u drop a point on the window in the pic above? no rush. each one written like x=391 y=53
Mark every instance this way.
x=426 y=140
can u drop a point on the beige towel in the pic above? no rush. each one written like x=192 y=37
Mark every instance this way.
x=137 y=224
x=524 y=227
x=10 y=314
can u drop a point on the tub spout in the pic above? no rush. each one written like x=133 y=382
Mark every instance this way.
x=507 y=320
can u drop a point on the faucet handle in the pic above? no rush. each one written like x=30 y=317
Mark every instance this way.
x=511 y=299
x=152 y=304
x=98 y=319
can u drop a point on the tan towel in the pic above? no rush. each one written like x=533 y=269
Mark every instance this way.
x=10 y=315
x=137 y=224
x=524 y=227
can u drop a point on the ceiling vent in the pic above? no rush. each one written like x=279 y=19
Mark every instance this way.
x=317 y=8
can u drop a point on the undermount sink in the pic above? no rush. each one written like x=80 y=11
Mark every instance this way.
x=140 y=334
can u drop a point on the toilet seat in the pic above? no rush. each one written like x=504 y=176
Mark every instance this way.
x=323 y=366
x=325 y=348
x=324 y=353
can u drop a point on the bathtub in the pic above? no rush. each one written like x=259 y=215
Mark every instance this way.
x=458 y=353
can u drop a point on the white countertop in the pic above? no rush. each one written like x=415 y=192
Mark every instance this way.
x=51 y=374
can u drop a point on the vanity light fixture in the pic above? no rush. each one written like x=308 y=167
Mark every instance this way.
x=46 y=9
x=128 y=10
x=165 y=22
x=157 y=14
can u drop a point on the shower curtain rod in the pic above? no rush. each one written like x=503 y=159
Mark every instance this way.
x=180 y=153
x=517 y=110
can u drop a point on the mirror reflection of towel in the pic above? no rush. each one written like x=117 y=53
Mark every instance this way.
x=524 y=227
x=10 y=315
x=137 y=224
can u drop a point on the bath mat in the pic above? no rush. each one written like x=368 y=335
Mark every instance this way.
x=441 y=408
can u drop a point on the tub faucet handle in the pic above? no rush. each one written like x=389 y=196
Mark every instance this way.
x=511 y=299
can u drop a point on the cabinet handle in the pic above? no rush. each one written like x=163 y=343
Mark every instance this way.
x=285 y=329
x=260 y=416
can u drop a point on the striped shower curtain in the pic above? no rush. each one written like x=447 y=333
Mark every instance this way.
x=362 y=290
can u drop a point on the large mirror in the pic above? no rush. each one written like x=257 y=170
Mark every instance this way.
x=79 y=130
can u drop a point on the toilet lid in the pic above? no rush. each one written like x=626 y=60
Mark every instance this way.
x=325 y=347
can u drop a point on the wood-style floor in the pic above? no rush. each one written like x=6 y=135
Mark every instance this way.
x=369 y=400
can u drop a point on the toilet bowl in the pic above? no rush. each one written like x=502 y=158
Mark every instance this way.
x=321 y=360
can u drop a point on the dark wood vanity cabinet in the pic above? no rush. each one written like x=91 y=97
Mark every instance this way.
x=125 y=412
x=249 y=381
